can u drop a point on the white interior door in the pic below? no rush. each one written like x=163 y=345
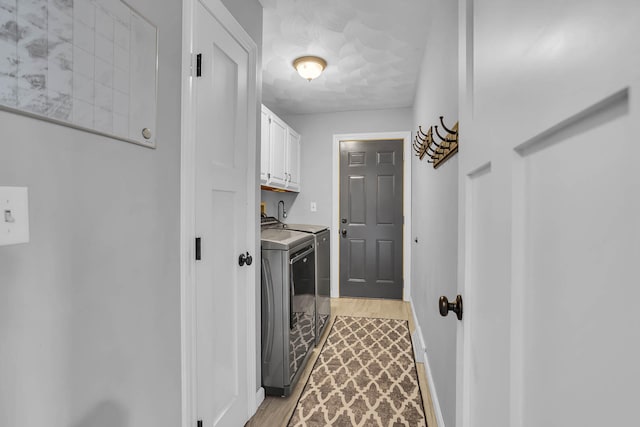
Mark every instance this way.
x=550 y=213
x=223 y=222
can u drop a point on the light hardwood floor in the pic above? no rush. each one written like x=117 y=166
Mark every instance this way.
x=276 y=411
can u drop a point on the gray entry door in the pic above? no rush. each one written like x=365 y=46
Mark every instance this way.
x=371 y=219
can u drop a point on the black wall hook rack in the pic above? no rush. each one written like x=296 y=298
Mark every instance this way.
x=425 y=144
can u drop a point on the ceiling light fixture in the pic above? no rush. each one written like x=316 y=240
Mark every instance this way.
x=309 y=67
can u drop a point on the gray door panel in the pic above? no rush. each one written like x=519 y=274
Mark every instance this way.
x=371 y=219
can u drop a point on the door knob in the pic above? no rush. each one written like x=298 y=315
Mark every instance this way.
x=344 y=232
x=245 y=259
x=446 y=306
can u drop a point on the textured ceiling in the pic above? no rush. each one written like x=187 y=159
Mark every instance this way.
x=373 y=48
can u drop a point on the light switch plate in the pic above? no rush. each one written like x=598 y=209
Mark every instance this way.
x=14 y=215
x=314 y=207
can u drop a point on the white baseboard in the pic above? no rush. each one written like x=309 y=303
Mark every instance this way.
x=259 y=398
x=418 y=347
x=422 y=357
x=434 y=394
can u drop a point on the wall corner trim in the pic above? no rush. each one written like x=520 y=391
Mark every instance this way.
x=259 y=397
x=419 y=340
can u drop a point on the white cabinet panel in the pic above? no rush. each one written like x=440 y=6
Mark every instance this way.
x=293 y=161
x=277 y=141
x=280 y=150
x=265 y=147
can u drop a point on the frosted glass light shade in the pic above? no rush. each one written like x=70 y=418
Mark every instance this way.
x=309 y=67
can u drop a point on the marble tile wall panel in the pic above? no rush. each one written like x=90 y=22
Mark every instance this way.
x=120 y=124
x=84 y=11
x=60 y=80
x=60 y=19
x=83 y=89
x=60 y=59
x=121 y=91
x=84 y=18
x=121 y=34
x=59 y=105
x=104 y=48
x=8 y=53
x=102 y=119
x=104 y=97
x=104 y=23
x=33 y=13
x=9 y=6
x=32 y=56
x=121 y=81
x=83 y=62
x=72 y=60
x=103 y=72
x=83 y=113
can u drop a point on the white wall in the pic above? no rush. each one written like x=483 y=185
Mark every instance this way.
x=317 y=132
x=249 y=14
x=89 y=309
x=271 y=198
x=435 y=205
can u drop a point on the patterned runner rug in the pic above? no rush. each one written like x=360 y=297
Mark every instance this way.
x=365 y=376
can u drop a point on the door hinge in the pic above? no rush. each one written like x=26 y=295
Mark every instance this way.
x=199 y=65
x=198 y=249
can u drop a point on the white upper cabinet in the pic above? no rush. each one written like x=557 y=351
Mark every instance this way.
x=265 y=150
x=293 y=161
x=280 y=162
x=277 y=147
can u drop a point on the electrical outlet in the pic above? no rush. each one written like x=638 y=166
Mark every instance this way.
x=314 y=207
x=14 y=215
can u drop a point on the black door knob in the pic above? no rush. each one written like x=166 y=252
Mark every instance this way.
x=344 y=232
x=446 y=306
x=245 y=259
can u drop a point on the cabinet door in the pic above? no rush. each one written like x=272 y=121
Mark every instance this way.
x=293 y=161
x=277 y=142
x=265 y=145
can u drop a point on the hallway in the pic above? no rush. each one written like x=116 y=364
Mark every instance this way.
x=276 y=411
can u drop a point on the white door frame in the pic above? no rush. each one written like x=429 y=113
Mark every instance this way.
x=187 y=204
x=406 y=197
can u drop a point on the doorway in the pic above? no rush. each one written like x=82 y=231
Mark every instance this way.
x=371 y=219
x=218 y=178
x=400 y=141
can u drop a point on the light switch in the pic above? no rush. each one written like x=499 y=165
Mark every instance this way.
x=14 y=215
x=314 y=207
